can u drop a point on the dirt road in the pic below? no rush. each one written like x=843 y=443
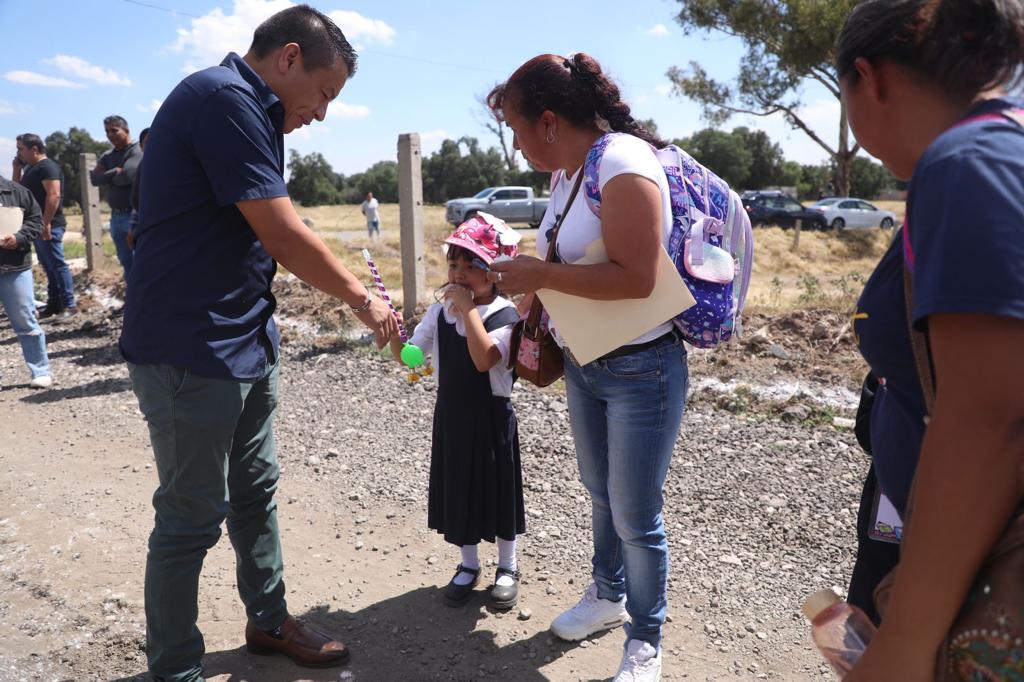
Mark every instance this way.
x=76 y=479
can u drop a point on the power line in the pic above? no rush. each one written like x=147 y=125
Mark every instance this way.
x=162 y=9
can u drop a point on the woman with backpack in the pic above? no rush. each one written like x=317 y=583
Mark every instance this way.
x=942 y=324
x=625 y=407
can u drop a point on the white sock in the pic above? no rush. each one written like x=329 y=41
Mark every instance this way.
x=506 y=559
x=470 y=559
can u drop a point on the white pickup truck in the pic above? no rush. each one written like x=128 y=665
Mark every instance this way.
x=511 y=204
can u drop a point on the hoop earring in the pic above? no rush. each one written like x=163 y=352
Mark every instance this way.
x=550 y=138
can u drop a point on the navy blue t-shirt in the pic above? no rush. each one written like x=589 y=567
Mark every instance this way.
x=965 y=237
x=199 y=293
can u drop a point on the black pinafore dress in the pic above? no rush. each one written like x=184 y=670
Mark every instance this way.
x=476 y=480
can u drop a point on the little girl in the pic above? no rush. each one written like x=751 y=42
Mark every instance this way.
x=476 y=489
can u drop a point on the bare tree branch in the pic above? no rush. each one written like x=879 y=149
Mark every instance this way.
x=796 y=122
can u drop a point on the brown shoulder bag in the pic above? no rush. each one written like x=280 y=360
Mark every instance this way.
x=534 y=354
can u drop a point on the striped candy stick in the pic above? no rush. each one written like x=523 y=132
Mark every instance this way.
x=384 y=293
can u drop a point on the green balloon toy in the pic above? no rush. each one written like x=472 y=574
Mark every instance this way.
x=411 y=355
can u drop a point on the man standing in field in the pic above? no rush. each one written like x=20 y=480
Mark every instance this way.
x=371 y=209
x=116 y=170
x=43 y=177
x=199 y=333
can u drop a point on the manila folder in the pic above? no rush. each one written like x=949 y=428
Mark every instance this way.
x=592 y=328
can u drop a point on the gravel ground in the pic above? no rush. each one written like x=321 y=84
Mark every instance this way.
x=760 y=511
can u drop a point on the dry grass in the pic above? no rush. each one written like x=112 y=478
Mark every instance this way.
x=828 y=269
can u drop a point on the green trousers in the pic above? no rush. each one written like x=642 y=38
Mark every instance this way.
x=214 y=447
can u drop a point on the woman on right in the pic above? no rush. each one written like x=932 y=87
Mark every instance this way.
x=925 y=86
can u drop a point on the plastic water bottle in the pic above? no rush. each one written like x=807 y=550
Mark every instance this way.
x=840 y=631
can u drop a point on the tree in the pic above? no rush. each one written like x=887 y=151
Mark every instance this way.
x=788 y=43
x=725 y=154
x=381 y=178
x=312 y=181
x=869 y=179
x=815 y=181
x=448 y=173
x=64 y=149
x=766 y=159
x=649 y=125
x=492 y=122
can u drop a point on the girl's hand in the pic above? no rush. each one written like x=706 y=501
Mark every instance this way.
x=460 y=296
x=524 y=275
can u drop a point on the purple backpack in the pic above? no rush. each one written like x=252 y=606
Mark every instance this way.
x=711 y=242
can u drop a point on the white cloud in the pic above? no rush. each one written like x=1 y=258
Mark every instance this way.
x=76 y=66
x=306 y=133
x=357 y=27
x=152 y=107
x=658 y=30
x=32 y=78
x=8 y=148
x=664 y=89
x=339 y=109
x=8 y=108
x=214 y=34
x=430 y=141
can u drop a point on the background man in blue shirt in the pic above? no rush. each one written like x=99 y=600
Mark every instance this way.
x=199 y=334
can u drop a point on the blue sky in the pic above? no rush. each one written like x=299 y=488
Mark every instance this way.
x=422 y=65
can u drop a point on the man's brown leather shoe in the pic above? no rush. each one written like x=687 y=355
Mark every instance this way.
x=299 y=642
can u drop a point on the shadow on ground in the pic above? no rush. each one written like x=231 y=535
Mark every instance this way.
x=413 y=636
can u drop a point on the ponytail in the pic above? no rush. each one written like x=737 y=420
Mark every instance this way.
x=963 y=47
x=608 y=102
x=574 y=88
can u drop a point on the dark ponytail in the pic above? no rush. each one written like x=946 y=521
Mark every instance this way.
x=575 y=88
x=962 y=46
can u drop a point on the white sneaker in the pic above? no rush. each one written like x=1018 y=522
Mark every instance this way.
x=590 y=615
x=640 y=663
x=41 y=382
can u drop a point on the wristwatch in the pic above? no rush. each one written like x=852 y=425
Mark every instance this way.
x=365 y=306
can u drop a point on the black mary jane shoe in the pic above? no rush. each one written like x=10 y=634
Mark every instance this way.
x=505 y=596
x=456 y=595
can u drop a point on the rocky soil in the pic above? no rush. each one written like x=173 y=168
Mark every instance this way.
x=760 y=505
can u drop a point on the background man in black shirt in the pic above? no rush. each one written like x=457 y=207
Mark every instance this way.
x=44 y=178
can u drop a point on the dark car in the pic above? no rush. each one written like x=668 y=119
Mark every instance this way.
x=776 y=208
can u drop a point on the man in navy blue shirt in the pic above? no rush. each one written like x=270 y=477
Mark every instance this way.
x=199 y=334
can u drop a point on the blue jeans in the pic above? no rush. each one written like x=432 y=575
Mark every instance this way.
x=59 y=286
x=625 y=414
x=120 y=224
x=19 y=303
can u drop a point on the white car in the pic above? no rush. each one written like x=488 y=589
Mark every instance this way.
x=841 y=213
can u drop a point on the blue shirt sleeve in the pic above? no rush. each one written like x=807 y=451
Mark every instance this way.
x=967 y=231
x=235 y=143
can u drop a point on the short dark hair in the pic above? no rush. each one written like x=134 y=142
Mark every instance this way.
x=962 y=46
x=321 y=41
x=455 y=252
x=32 y=141
x=574 y=87
x=143 y=135
x=115 y=120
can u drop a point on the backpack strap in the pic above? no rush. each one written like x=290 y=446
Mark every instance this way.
x=741 y=230
x=592 y=173
x=502 y=318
